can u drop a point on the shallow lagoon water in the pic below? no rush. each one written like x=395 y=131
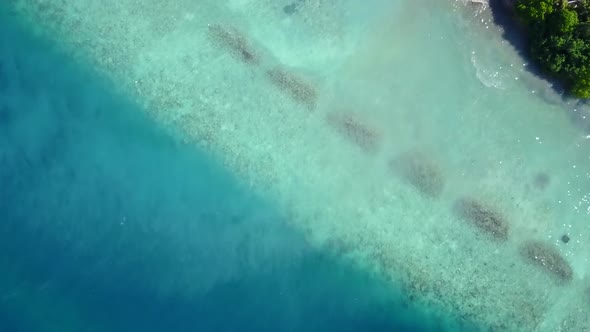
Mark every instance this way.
x=434 y=83
x=112 y=223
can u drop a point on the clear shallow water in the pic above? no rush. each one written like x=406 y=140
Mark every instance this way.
x=111 y=223
x=434 y=79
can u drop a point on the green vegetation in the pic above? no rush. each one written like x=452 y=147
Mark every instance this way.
x=560 y=40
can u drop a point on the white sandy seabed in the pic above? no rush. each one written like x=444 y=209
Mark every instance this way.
x=368 y=122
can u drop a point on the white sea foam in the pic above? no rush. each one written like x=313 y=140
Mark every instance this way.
x=489 y=78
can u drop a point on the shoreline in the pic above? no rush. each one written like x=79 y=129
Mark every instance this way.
x=514 y=33
x=553 y=91
x=578 y=110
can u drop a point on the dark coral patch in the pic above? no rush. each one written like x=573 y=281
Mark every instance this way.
x=485 y=218
x=547 y=258
x=420 y=171
x=235 y=42
x=290 y=9
x=541 y=181
x=355 y=131
x=296 y=87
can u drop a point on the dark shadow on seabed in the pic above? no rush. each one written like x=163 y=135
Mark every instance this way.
x=104 y=214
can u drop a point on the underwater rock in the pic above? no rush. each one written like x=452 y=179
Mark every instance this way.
x=290 y=9
x=483 y=217
x=548 y=258
x=296 y=87
x=353 y=130
x=565 y=238
x=420 y=172
x=541 y=180
x=232 y=40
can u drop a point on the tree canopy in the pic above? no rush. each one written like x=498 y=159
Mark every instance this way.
x=560 y=40
x=534 y=10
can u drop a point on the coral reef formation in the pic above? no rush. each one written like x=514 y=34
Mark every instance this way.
x=351 y=128
x=548 y=258
x=420 y=171
x=485 y=218
x=235 y=42
x=296 y=87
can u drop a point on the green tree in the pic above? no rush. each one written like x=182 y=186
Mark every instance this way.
x=583 y=30
x=581 y=88
x=550 y=53
x=560 y=40
x=563 y=21
x=535 y=10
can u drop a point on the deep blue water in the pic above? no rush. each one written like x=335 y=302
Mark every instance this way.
x=108 y=223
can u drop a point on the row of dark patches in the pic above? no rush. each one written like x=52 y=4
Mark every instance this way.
x=427 y=178
x=422 y=173
x=414 y=167
x=233 y=41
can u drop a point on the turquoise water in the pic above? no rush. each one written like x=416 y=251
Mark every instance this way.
x=407 y=139
x=111 y=223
